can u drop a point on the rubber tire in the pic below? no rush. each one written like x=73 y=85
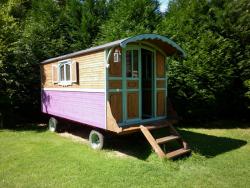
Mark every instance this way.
x=53 y=124
x=96 y=140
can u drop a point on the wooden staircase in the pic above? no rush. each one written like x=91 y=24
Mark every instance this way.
x=156 y=143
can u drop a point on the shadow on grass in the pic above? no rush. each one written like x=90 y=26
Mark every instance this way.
x=137 y=146
x=36 y=127
x=208 y=145
x=134 y=145
x=216 y=124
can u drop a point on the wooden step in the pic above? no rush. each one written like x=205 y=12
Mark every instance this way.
x=167 y=139
x=177 y=153
x=155 y=142
x=150 y=126
x=152 y=141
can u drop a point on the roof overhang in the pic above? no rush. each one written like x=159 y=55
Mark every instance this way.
x=162 y=42
x=165 y=44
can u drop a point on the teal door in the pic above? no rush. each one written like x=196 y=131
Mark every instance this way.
x=132 y=84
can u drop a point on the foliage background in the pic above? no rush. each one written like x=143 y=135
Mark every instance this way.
x=213 y=82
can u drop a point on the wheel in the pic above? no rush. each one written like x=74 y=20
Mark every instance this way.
x=53 y=124
x=96 y=140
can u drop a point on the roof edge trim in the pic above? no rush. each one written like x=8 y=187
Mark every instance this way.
x=153 y=36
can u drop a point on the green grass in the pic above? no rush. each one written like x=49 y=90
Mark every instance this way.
x=37 y=158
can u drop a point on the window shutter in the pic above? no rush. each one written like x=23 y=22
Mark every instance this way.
x=74 y=71
x=54 y=74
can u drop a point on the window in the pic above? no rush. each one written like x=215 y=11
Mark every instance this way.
x=65 y=72
x=132 y=63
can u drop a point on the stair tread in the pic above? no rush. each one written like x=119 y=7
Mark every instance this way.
x=152 y=141
x=177 y=153
x=166 y=139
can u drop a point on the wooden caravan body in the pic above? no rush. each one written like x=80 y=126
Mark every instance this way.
x=112 y=86
x=119 y=86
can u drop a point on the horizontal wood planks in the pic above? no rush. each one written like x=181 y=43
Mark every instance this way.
x=82 y=107
x=91 y=72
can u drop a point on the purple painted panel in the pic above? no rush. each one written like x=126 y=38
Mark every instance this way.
x=83 y=107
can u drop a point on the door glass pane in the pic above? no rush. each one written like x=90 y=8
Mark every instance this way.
x=135 y=64
x=62 y=73
x=129 y=63
x=67 y=72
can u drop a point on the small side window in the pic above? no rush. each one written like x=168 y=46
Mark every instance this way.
x=65 y=71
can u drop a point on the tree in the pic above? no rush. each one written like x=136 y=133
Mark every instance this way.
x=209 y=82
x=129 y=18
x=12 y=14
x=32 y=31
x=213 y=80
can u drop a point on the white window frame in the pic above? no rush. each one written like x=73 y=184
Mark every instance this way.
x=63 y=63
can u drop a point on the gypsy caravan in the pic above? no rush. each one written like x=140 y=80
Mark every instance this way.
x=120 y=86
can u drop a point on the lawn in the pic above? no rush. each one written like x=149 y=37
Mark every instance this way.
x=33 y=157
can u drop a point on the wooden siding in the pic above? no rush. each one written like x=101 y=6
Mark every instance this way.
x=132 y=105
x=111 y=121
x=82 y=107
x=115 y=84
x=132 y=84
x=161 y=103
x=115 y=68
x=161 y=83
x=91 y=72
x=160 y=65
x=115 y=101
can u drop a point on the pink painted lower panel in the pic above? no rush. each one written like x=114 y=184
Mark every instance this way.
x=79 y=106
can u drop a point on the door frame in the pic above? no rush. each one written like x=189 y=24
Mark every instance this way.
x=125 y=90
x=138 y=46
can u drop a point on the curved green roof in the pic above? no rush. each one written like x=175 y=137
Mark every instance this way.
x=153 y=37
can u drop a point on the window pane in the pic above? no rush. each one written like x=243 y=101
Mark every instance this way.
x=67 y=72
x=62 y=73
x=129 y=63
x=135 y=64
